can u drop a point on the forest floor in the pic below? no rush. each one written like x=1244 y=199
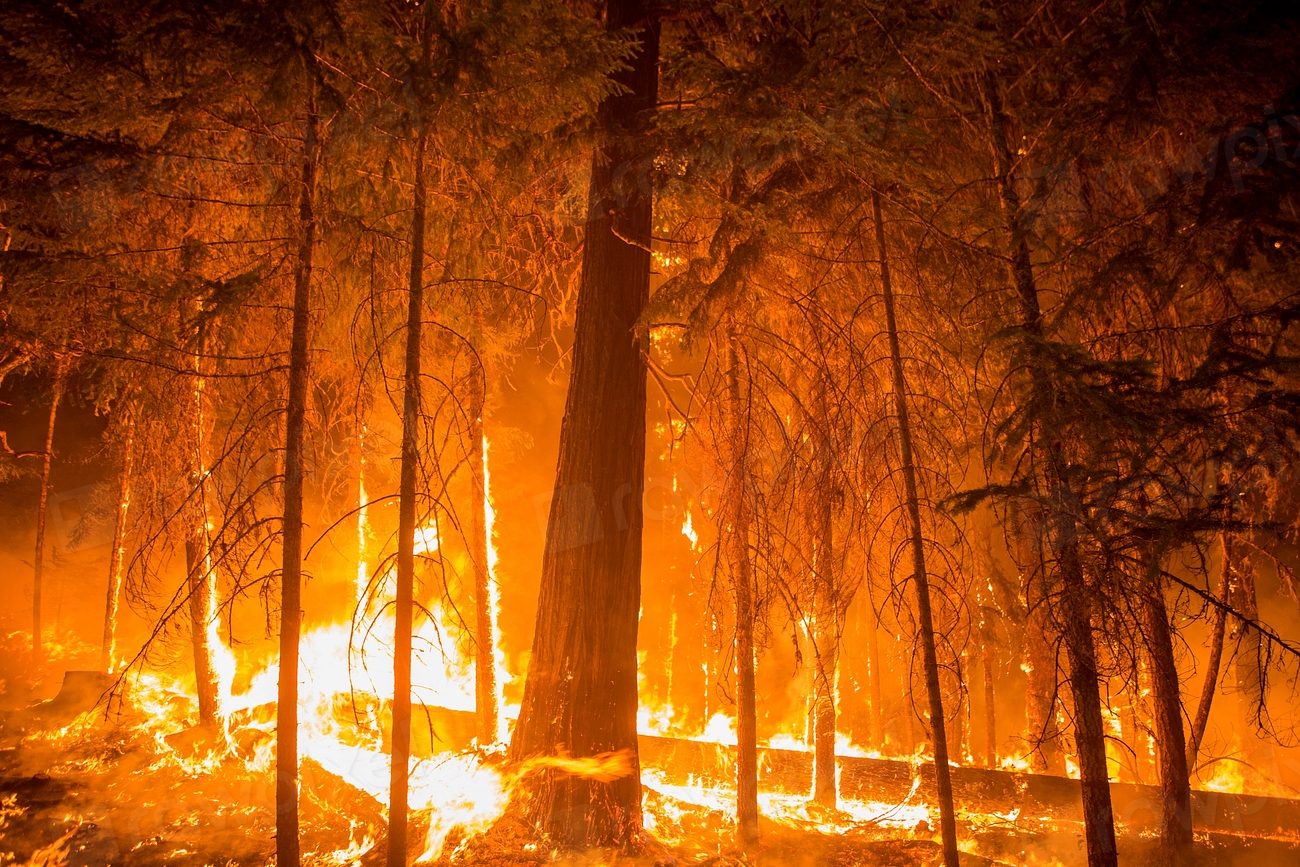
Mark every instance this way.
x=101 y=794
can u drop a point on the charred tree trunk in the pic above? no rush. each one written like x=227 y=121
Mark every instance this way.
x=286 y=720
x=825 y=625
x=202 y=599
x=1042 y=732
x=1132 y=733
x=116 y=557
x=1202 y=718
x=736 y=530
x=581 y=689
x=959 y=735
x=200 y=572
x=925 y=620
x=1074 y=609
x=42 y=505
x=484 y=669
x=1089 y=726
x=406 y=514
x=876 y=710
x=1171 y=746
x=356 y=457
x=1249 y=650
x=987 y=660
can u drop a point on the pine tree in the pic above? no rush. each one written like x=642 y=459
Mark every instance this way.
x=580 y=694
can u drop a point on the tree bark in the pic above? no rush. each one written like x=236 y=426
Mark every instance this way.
x=959 y=735
x=286 y=725
x=735 y=527
x=581 y=690
x=1074 y=608
x=117 y=556
x=484 y=664
x=1250 y=646
x=201 y=575
x=1171 y=746
x=1202 y=718
x=38 y=567
x=825 y=626
x=1042 y=732
x=987 y=660
x=877 y=699
x=1132 y=733
x=202 y=599
x=406 y=514
x=920 y=576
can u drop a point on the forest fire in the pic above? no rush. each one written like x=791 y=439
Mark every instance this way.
x=682 y=435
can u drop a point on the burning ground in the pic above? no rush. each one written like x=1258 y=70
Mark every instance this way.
x=134 y=783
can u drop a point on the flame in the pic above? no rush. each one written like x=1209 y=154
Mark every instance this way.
x=363 y=521
x=603 y=767
x=501 y=670
x=55 y=854
x=359 y=843
x=689 y=531
x=1227 y=778
x=427 y=540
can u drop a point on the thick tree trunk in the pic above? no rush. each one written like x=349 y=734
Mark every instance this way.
x=1074 y=609
x=1089 y=727
x=286 y=723
x=42 y=505
x=406 y=514
x=735 y=528
x=484 y=663
x=925 y=620
x=1202 y=718
x=117 y=556
x=1171 y=746
x=581 y=691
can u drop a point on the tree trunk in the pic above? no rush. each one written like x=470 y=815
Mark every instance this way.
x=201 y=575
x=1250 y=646
x=1202 y=719
x=117 y=556
x=987 y=660
x=735 y=528
x=581 y=690
x=925 y=620
x=286 y=721
x=876 y=688
x=1171 y=747
x=1132 y=733
x=484 y=662
x=406 y=515
x=38 y=568
x=825 y=626
x=203 y=612
x=356 y=456
x=1042 y=733
x=1075 y=604
x=959 y=734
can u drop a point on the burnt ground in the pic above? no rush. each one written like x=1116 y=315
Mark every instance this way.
x=105 y=793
